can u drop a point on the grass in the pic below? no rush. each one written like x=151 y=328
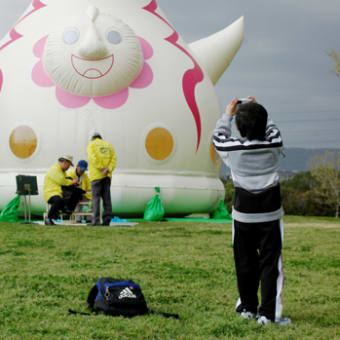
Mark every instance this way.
x=183 y=267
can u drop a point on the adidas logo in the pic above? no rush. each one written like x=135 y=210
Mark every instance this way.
x=127 y=293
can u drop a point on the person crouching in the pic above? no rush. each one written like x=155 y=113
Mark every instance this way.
x=55 y=180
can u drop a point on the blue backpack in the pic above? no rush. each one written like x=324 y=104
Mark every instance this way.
x=117 y=297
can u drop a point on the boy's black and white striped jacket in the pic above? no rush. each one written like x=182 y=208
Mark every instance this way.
x=254 y=165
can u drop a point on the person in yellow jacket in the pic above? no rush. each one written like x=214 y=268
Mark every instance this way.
x=79 y=173
x=102 y=161
x=55 y=180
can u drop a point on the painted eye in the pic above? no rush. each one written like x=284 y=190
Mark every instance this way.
x=71 y=36
x=114 y=37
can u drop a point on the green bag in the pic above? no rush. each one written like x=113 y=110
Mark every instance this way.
x=154 y=210
x=221 y=213
x=10 y=212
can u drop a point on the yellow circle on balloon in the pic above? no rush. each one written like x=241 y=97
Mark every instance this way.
x=23 y=141
x=159 y=144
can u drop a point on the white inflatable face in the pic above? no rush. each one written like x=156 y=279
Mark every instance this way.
x=96 y=55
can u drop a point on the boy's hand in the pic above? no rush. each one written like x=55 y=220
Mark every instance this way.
x=231 y=107
x=75 y=182
x=252 y=99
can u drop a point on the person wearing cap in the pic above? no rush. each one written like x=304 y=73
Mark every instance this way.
x=79 y=173
x=102 y=161
x=55 y=180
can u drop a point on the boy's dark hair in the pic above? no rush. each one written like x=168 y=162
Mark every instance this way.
x=96 y=135
x=251 y=121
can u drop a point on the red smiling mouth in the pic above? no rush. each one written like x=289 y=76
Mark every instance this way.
x=92 y=68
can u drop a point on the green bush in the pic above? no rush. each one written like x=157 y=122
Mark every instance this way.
x=298 y=198
x=229 y=194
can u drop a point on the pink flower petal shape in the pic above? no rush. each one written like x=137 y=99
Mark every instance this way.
x=113 y=101
x=146 y=48
x=144 y=78
x=70 y=100
x=38 y=48
x=14 y=35
x=38 y=4
x=40 y=77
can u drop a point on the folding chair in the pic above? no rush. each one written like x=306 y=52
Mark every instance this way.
x=48 y=207
x=82 y=210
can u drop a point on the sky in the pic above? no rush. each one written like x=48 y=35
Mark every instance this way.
x=283 y=60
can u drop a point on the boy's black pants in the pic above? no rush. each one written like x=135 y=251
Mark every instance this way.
x=257 y=254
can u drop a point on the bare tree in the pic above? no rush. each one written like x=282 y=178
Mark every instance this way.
x=325 y=169
x=336 y=57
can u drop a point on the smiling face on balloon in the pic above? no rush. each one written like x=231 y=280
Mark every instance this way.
x=95 y=56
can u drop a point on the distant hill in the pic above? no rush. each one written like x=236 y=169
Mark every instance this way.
x=297 y=158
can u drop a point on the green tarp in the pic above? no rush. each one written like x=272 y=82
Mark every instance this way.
x=221 y=213
x=10 y=212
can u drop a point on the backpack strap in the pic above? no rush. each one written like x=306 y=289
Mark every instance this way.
x=71 y=311
x=166 y=315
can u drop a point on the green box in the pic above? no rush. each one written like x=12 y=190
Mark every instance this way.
x=27 y=185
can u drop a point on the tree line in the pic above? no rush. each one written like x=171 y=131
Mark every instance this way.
x=312 y=193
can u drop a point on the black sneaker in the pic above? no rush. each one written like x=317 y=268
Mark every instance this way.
x=246 y=314
x=263 y=320
x=49 y=221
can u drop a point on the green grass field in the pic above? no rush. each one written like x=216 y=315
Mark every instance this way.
x=183 y=267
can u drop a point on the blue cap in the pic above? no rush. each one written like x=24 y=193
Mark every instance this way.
x=82 y=165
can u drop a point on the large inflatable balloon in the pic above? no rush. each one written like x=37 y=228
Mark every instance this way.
x=69 y=68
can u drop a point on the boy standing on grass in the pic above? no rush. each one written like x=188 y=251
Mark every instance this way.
x=257 y=212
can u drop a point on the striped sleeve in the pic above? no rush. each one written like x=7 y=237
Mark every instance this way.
x=222 y=139
x=224 y=142
x=273 y=134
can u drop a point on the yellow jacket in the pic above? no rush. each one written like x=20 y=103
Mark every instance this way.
x=100 y=155
x=54 y=180
x=85 y=182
